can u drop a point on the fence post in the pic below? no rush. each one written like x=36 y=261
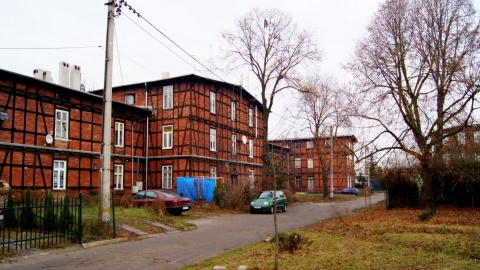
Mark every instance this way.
x=113 y=215
x=80 y=227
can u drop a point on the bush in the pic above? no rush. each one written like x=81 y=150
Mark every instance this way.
x=235 y=197
x=10 y=219
x=50 y=219
x=27 y=218
x=292 y=242
x=66 y=220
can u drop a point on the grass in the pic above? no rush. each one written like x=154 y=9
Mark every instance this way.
x=373 y=239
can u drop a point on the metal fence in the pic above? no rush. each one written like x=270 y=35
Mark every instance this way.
x=40 y=223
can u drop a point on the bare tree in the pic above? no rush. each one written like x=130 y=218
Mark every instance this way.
x=418 y=73
x=323 y=107
x=271 y=45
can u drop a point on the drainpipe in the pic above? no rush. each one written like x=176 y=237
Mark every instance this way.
x=146 y=140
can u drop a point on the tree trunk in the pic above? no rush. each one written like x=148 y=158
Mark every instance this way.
x=430 y=205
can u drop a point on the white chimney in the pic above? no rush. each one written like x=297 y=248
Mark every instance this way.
x=75 y=77
x=47 y=76
x=38 y=74
x=165 y=75
x=64 y=74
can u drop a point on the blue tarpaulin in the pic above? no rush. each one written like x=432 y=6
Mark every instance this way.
x=195 y=188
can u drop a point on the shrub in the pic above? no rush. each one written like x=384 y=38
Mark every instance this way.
x=10 y=219
x=27 y=218
x=50 y=219
x=292 y=241
x=66 y=216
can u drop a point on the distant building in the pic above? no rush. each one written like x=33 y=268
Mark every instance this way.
x=464 y=145
x=305 y=156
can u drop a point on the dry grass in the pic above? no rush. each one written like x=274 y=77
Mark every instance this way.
x=374 y=239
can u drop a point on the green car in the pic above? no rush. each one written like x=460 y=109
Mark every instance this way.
x=263 y=202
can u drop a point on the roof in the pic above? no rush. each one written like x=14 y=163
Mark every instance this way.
x=311 y=138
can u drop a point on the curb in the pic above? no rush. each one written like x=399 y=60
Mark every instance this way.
x=104 y=242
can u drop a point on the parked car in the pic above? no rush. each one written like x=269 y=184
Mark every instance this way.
x=347 y=191
x=174 y=204
x=264 y=202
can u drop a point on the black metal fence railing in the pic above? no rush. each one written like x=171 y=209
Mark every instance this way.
x=40 y=223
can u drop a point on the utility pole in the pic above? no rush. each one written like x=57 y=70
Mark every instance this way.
x=104 y=204
x=331 y=161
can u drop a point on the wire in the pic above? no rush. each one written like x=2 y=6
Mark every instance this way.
x=51 y=48
x=118 y=55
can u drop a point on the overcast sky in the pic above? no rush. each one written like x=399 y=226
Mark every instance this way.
x=58 y=28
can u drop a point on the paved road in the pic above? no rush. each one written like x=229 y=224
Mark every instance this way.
x=214 y=235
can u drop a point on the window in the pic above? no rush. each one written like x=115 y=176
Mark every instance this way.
x=129 y=99
x=309 y=144
x=250 y=117
x=167 y=137
x=461 y=138
x=234 y=111
x=476 y=137
x=61 y=125
x=310 y=183
x=298 y=145
x=118 y=177
x=298 y=181
x=234 y=144
x=327 y=143
x=477 y=157
x=212 y=102
x=298 y=162
x=213 y=172
x=251 y=176
x=168 y=97
x=250 y=148
x=213 y=139
x=119 y=134
x=310 y=163
x=167 y=177
x=59 y=174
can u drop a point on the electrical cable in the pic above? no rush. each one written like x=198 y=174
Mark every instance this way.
x=51 y=48
x=118 y=55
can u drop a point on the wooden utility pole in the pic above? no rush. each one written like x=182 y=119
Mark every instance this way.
x=331 y=162
x=104 y=204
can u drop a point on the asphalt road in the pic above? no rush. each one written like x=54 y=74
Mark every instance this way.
x=214 y=235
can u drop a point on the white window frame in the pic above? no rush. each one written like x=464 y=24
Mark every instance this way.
x=476 y=137
x=119 y=136
x=250 y=117
x=310 y=163
x=213 y=172
x=310 y=183
x=298 y=162
x=59 y=176
x=461 y=138
x=250 y=148
x=309 y=144
x=129 y=99
x=167 y=137
x=168 y=97
x=234 y=144
x=233 y=111
x=118 y=177
x=251 y=176
x=298 y=145
x=298 y=182
x=167 y=177
x=213 y=106
x=213 y=139
x=61 y=124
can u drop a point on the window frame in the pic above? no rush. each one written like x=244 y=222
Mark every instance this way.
x=59 y=184
x=233 y=111
x=119 y=134
x=167 y=177
x=213 y=140
x=167 y=137
x=309 y=144
x=127 y=98
x=213 y=103
x=310 y=183
x=167 y=97
x=234 y=144
x=64 y=122
x=213 y=172
x=250 y=148
x=118 y=171
x=250 y=117
x=298 y=162
x=298 y=182
x=298 y=145
x=310 y=163
x=461 y=138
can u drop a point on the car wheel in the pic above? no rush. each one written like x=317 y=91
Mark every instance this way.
x=285 y=208
x=271 y=210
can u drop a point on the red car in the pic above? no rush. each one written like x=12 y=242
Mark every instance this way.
x=174 y=204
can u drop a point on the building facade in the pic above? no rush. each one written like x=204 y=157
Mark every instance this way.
x=51 y=137
x=308 y=162
x=200 y=128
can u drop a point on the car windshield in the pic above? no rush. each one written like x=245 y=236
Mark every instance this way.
x=169 y=194
x=265 y=195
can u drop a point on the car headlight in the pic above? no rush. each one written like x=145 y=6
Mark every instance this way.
x=265 y=203
x=252 y=203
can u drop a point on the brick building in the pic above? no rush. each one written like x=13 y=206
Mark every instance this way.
x=51 y=137
x=199 y=128
x=464 y=145
x=304 y=167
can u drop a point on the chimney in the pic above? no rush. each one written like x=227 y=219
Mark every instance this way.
x=165 y=75
x=64 y=74
x=38 y=74
x=75 y=77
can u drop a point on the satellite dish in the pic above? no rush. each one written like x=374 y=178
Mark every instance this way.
x=244 y=139
x=49 y=138
x=3 y=115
